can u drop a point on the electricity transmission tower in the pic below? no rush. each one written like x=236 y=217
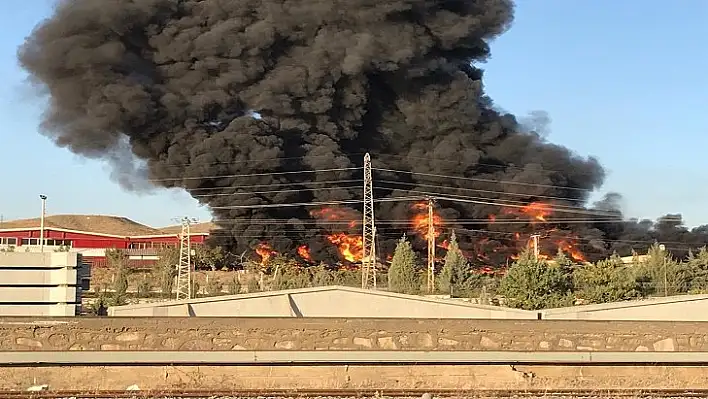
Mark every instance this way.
x=184 y=267
x=368 y=258
x=431 y=247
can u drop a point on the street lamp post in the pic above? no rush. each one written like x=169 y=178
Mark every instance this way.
x=663 y=260
x=41 y=222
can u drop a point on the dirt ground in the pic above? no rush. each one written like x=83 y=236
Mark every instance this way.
x=333 y=377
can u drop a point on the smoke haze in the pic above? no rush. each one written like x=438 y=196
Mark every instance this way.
x=179 y=80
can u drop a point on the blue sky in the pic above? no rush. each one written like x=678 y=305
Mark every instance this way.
x=626 y=81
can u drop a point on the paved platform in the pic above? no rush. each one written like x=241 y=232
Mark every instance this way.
x=351 y=376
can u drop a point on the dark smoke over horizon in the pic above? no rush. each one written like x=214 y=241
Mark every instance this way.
x=179 y=81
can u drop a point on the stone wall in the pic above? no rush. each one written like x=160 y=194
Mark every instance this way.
x=218 y=334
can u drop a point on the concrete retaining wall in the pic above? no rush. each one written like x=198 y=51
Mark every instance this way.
x=41 y=284
x=264 y=334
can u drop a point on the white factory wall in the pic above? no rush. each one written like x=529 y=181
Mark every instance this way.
x=673 y=308
x=41 y=284
x=332 y=301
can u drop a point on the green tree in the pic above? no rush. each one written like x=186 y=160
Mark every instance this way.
x=288 y=274
x=608 y=280
x=252 y=285
x=165 y=270
x=213 y=286
x=322 y=276
x=144 y=286
x=118 y=262
x=667 y=276
x=455 y=270
x=208 y=258
x=533 y=284
x=402 y=272
x=698 y=266
x=234 y=286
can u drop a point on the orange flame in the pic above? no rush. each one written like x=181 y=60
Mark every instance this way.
x=265 y=251
x=336 y=214
x=537 y=210
x=420 y=221
x=569 y=248
x=351 y=247
x=304 y=252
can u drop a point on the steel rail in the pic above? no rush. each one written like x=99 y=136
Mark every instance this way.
x=319 y=358
x=353 y=393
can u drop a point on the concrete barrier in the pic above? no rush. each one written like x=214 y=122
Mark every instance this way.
x=41 y=284
x=329 y=334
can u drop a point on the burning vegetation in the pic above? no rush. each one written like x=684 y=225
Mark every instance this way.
x=254 y=105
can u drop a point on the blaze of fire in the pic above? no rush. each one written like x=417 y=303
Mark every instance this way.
x=420 y=221
x=335 y=214
x=567 y=246
x=537 y=210
x=265 y=251
x=351 y=247
x=304 y=252
x=570 y=249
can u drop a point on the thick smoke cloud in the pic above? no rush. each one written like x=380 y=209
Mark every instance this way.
x=330 y=79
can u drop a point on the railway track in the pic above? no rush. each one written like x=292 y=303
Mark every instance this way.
x=361 y=393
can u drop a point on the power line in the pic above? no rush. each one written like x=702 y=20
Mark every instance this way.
x=482 y=180
x=519 y=204
x=342 y=202
x=270 y=191
x=475 y=189
x=289 y=183
x=252 y=174
x=505 y=166
x=408 y=222
x=583 y=239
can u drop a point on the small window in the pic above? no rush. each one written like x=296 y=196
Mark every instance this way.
x=25 y=241
x=11 y=241
x=34 y=241
x=51 y=242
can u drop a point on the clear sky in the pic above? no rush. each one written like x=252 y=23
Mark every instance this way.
x=626 y=81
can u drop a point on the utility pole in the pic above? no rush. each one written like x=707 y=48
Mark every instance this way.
x=662 y=247
x=431 y=247
x=184 y=267
x=535 y=238
x=368 y=254
x=41 y=222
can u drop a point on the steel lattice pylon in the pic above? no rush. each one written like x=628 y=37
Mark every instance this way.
x=184 y=267
x=368 y=259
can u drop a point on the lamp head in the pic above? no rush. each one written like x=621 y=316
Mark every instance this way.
x=43 y=197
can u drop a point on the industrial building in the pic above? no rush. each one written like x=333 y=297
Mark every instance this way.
x=92 y=235
x=42 y=284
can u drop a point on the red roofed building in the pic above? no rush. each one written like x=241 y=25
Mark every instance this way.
x=92 y=235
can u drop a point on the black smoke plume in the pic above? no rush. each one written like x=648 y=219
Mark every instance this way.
x=181 y=81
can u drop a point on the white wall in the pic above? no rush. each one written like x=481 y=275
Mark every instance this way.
x=323 y=303
x=40 y=284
